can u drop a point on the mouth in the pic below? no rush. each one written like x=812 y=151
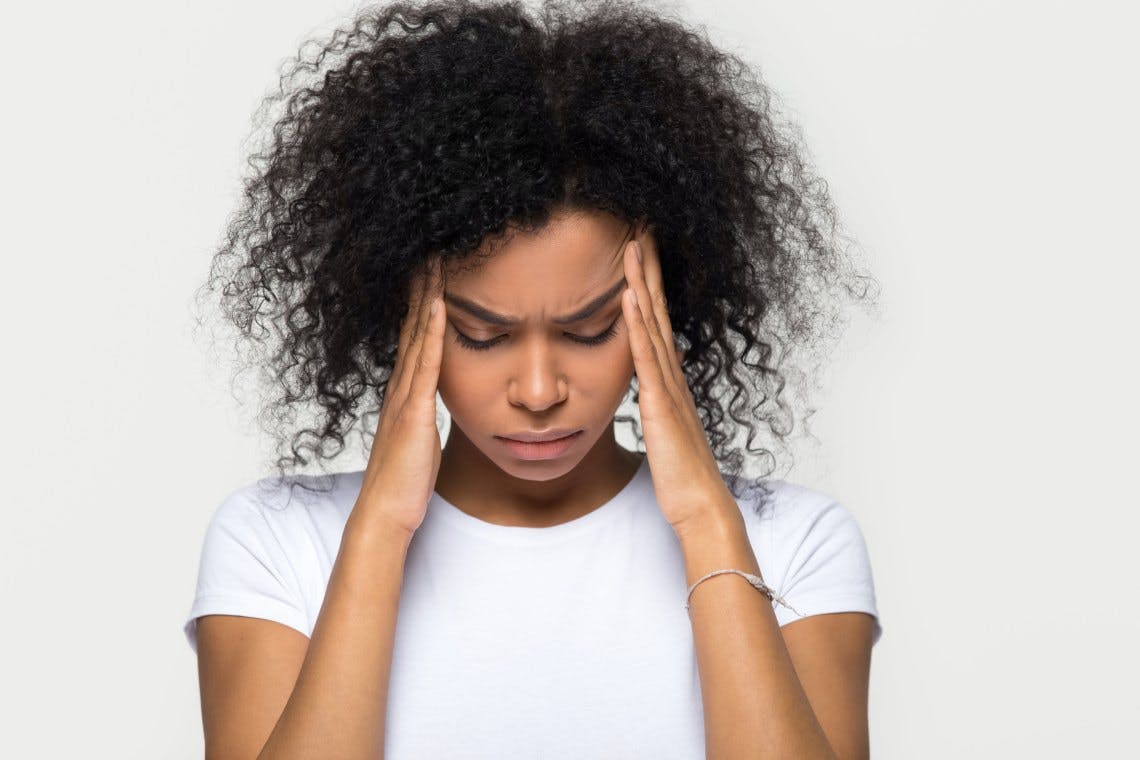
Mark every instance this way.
x=541 y=436
x=549 y=445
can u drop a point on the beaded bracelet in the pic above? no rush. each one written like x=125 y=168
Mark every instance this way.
x=755 y=580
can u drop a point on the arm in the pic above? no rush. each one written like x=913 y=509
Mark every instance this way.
x=338 y=705
x=755 y=704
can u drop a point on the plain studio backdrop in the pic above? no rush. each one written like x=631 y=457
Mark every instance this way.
x=981 y=429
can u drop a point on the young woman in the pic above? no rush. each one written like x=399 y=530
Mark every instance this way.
x=531 y=214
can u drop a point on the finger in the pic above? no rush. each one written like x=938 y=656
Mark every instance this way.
x=425 y=380
x=646 y=363
x=636 y=277
x=655 y=284
x=431 y=333
x=408 y=331
x=432 y=288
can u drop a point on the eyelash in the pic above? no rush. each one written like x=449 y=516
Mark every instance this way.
x=596 y=340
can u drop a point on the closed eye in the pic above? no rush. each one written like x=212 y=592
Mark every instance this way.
x=594 y=340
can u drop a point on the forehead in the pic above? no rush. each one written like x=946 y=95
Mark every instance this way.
x=576 y=255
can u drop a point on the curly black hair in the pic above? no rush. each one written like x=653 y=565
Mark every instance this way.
x=432 y=127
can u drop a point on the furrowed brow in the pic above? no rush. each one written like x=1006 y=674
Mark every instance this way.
x=491 y=317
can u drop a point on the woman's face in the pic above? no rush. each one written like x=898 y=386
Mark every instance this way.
x=511 y=361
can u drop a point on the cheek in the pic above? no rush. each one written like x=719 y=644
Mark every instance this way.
x=622 y=373
x=470 y=384
x=458 y=376
x=605 y=373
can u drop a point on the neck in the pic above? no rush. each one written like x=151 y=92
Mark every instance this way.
x=477 y=485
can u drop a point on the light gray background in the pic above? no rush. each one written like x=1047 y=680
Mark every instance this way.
x=983 y=431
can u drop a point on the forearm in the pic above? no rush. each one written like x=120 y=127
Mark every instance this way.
x=338 y=705
x=754 y=704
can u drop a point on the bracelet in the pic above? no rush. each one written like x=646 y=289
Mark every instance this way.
x=756 y=581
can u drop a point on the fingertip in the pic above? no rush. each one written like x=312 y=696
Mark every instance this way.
x=439 y=315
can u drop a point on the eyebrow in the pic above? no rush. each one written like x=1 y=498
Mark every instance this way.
x=491 y=317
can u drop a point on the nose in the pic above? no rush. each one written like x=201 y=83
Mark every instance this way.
x=537 y=382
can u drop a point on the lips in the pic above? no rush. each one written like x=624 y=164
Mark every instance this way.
x=541 y=450
x=531 y=436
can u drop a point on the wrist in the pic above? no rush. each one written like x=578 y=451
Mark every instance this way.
x=716 y=540
x=713 y=524
x=375 y=527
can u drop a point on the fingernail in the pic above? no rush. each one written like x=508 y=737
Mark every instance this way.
x=637 y=250
x=434 y=304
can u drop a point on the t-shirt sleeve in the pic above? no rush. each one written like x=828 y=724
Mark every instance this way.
x=826 y=564
x=244 y=569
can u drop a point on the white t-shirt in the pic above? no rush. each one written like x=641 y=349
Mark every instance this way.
x=569 y=641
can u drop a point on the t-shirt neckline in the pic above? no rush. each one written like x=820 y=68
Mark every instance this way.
x=630 y=493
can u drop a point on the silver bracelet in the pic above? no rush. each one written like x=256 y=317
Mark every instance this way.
x=755 y=580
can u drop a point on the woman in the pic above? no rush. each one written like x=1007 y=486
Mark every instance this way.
x=531 y=214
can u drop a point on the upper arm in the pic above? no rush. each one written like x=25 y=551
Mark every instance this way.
x=247 y=668
x=832 y=657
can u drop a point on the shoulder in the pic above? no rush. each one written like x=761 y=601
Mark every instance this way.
x=788 y=507
x=269 y=547
x=279 y=500
x=798 y=517
x=290 y=513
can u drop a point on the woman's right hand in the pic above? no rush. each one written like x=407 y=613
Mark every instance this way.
x=404 y=461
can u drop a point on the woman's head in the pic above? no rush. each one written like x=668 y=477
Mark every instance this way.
x=483 y=132
x=536 y=340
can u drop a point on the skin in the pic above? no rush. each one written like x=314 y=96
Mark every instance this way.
x=536 y=377
x=796 y=691
x=800 y=691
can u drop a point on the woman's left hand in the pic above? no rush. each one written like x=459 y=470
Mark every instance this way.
x=686 y=476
